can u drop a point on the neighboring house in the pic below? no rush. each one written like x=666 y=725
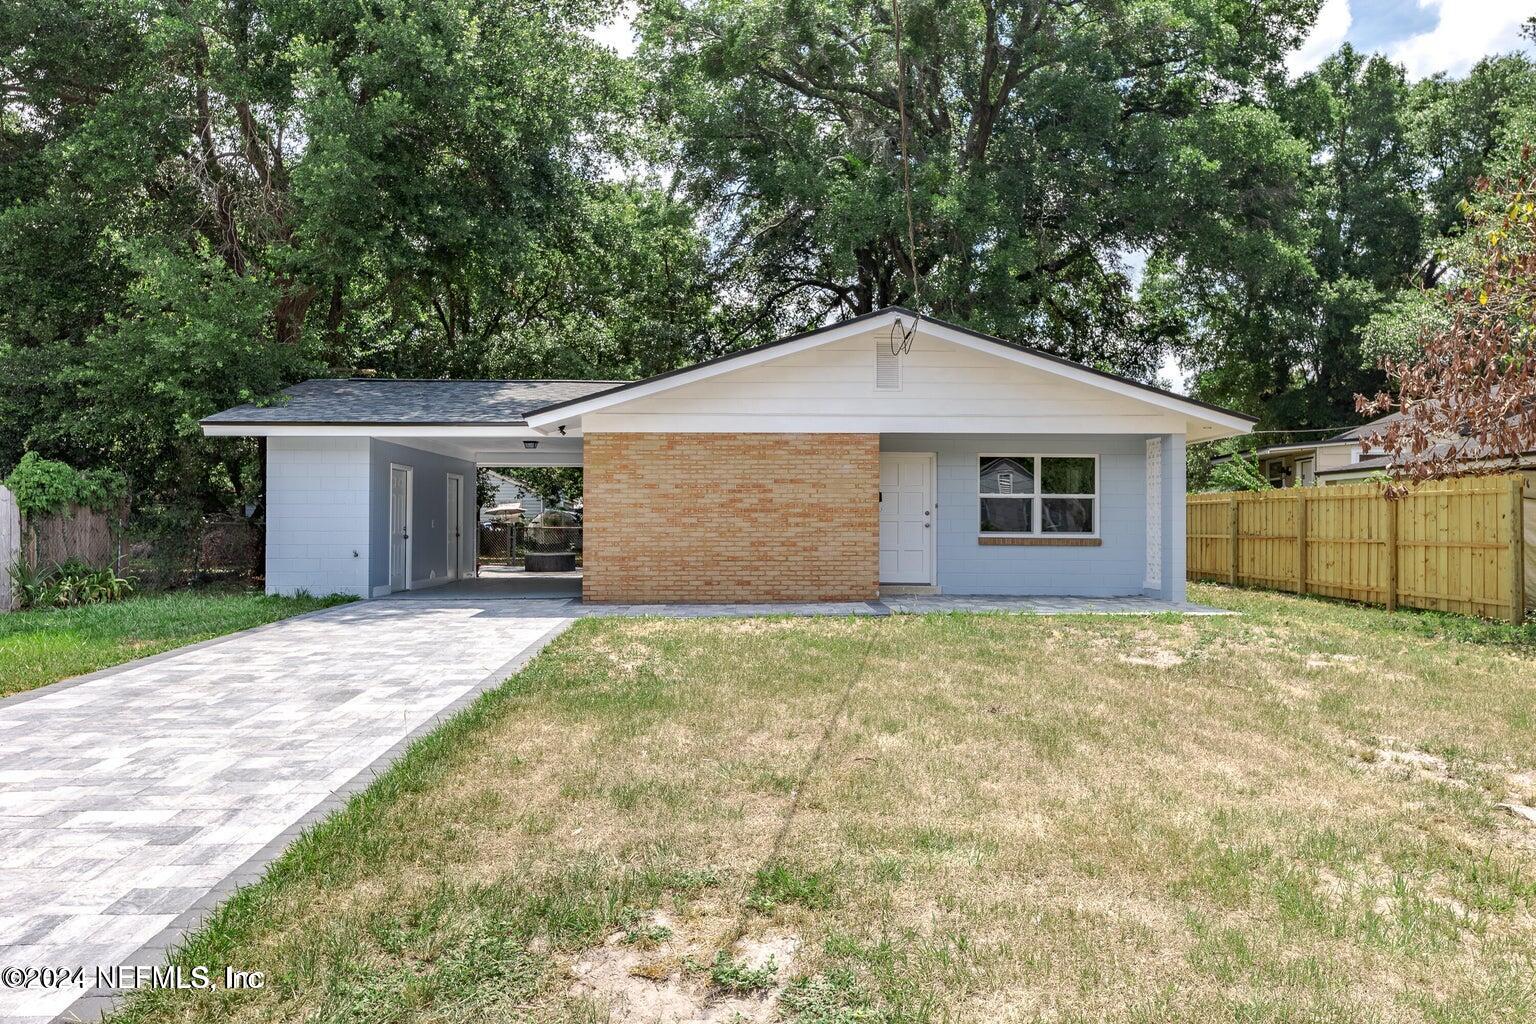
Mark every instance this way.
x=511 y=500
x=1342 y=458
x=820 y=467
x=1306 y=463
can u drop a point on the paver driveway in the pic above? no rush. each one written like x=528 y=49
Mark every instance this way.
x=142 y=794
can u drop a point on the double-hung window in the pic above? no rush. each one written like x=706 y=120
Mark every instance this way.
x=1027 y=495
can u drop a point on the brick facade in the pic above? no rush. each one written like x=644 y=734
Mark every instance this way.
x=731 y=517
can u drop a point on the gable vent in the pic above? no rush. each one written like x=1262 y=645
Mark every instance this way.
x=887 y=368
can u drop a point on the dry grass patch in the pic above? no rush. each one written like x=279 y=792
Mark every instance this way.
x=1290 y=815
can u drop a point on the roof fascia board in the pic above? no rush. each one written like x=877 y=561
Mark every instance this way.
x=1282 y=449
x=224 y=428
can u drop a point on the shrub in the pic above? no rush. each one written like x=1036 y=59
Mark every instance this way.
x=65 y=585
x=44 y=486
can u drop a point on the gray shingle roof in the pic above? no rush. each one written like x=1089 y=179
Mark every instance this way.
x=365 y=400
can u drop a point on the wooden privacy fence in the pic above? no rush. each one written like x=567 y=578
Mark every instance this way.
x=10 y=545
x=1451 y=545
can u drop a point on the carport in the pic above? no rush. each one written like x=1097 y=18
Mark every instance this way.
x=371 y=483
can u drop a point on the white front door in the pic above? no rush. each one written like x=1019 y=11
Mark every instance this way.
x=399 y=527
x=455 y=526
x=1306 y=471
x=906 y=518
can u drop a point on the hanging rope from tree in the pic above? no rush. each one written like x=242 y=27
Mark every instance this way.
x=901 y=337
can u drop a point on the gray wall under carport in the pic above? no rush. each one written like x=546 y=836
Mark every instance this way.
x=429 y=496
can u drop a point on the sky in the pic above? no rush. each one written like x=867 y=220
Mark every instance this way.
x=1426 y=36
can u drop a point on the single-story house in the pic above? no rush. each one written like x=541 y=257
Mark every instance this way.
x=823 y=466
x=1305 y=463
x=1342 y=458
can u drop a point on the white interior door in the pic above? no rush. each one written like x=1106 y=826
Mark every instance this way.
x=455 y=526
x=399 y=527
x=906 y=518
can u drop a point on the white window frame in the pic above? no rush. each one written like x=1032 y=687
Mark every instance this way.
x=1036 y=497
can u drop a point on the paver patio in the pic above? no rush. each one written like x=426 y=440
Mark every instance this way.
x=135 y=799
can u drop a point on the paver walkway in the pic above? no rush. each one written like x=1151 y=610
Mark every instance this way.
x=143 y=794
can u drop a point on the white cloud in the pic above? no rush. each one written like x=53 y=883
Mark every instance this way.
x=619 y=34
x=1328 y=33
x=1467 y=31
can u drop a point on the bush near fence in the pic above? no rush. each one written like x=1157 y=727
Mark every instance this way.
x=216 y=547
x=1450 y=545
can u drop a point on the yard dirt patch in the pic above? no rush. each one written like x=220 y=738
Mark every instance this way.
x=1288 y=815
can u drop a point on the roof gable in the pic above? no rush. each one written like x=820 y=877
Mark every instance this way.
x=1207 y=420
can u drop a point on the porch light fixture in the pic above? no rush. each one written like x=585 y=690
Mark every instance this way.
x=530 y=444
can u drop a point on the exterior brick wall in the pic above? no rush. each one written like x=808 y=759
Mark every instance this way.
x=731 y=517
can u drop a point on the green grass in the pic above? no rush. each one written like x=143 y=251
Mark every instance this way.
x=41 y=647
x=1283 y=816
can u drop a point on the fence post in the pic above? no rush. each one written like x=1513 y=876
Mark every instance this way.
x=1301 y=540
x=1517 y=549
x=1232 y=527
x=1392 y=507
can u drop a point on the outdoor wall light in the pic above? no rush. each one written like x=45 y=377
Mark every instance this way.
x=530 y=444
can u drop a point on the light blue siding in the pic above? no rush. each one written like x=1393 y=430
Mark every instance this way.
x=1116 y=567
x=429 y=529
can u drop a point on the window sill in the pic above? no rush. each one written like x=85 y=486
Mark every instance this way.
x=1039 y=542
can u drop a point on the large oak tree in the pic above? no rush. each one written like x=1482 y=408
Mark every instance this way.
x=1049 y=140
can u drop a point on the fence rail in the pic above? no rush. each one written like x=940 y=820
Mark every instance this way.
x=1452 y=545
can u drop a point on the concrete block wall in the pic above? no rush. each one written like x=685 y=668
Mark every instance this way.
x=694 y=517
x=317 y=515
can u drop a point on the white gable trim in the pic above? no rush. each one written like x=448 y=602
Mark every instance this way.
x=1225 y=423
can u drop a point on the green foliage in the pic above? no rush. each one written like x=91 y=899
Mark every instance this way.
x=201 y=203
x=833 y=998
x=1240 y=472
x=736 y=976
x=557 y=487
x=251 y=194
x=65 y=585
x=1295 y=333
x=45 y=486
x=780 y=883
x=1229 y=465
x=1044 y=145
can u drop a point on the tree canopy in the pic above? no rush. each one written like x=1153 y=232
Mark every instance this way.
x=202 y=201
x=1046 y=141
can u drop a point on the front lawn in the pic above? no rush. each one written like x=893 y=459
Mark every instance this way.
x=40 y=647
x=1284 y=816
